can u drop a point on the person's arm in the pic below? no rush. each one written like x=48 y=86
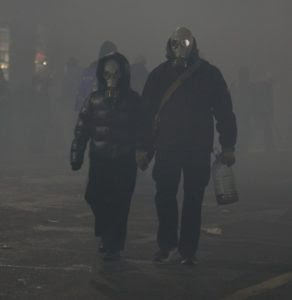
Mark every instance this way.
x=144 y=135
x=81 y=136
x=149 y=94
x=146 y=111
x=224 y=116
x=150 y=105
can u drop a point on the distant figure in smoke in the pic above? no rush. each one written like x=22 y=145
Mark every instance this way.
x=139 y=74
x=4 y=91
x=4 y=100
x=184 y=95
x=264 y=111
x=71 y=79
x=112 y=119
x=242 y=92
x=88 y=82
x=41 y=110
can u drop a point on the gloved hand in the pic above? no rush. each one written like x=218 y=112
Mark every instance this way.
x=75 y=166
x=142 y=160
x=227 y=156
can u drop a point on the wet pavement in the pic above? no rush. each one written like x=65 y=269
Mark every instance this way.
x=48 y=251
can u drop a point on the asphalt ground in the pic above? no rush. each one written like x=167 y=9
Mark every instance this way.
x=48 y=250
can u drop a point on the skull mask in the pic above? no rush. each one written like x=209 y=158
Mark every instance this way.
x=181 y=44
x=112 y=76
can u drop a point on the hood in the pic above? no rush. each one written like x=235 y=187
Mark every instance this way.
x=106 y=48
x=124 y=83
x=194 y=54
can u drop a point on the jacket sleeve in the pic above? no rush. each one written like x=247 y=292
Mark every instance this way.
x=143 y=129
x=81 y=134
x=149 y=94
x=223 y=111
x=149 y=108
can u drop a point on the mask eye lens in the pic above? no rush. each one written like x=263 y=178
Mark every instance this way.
x=186 y=43
x=174 y=44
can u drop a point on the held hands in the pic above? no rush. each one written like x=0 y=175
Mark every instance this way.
x=227 y=156
x=142 y=160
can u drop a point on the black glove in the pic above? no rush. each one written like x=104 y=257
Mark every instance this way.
x=227 y=157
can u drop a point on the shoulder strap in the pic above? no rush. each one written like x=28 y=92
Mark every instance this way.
x=175 y=85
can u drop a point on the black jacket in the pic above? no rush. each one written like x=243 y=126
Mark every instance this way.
x=187 y=120
x=114 y=126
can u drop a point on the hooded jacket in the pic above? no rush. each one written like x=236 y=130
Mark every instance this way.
x=187 y=120
x=114 y=126
x=88 y=81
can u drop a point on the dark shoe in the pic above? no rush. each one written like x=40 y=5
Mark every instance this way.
x=189 y=261
x=163 y=255
x=112 y=256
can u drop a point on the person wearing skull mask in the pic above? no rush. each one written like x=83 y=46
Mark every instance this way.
x=88 y=81
x=112 y=120
x=183 y=96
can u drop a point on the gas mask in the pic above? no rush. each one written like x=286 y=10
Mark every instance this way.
x=181 y=44
x=112 y=76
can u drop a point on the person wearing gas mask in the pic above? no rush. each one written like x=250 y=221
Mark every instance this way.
x=112 y=120
x=88 y=81
x=183 y=96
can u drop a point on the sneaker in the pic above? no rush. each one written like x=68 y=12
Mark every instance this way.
x=112 y=256
x=163 y=255
x=189 y=261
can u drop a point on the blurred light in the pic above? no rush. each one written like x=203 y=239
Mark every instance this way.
x=45 y=63
x=4 y=66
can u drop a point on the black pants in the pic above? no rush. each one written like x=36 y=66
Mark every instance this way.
x=109 y=191
x=168 y=167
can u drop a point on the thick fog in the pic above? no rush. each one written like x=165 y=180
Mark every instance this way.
x=253 y=35
x=230 y=34
x=49 y=48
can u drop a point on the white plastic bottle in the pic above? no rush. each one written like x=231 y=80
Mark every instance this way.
x=224 y=183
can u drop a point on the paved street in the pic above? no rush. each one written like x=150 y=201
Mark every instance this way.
x=48 y=251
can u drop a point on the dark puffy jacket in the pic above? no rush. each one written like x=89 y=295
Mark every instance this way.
x=187 y=120
x=114 y=126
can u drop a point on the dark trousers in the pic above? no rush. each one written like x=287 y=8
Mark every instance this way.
x=109 y=191
x=169 y=165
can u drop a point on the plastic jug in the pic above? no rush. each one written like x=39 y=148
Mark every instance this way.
x=224 y=183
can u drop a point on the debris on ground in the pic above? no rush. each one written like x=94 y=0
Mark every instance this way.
x=212 y=230
x=21 y=280
x=53 y=221
x=5 y=246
